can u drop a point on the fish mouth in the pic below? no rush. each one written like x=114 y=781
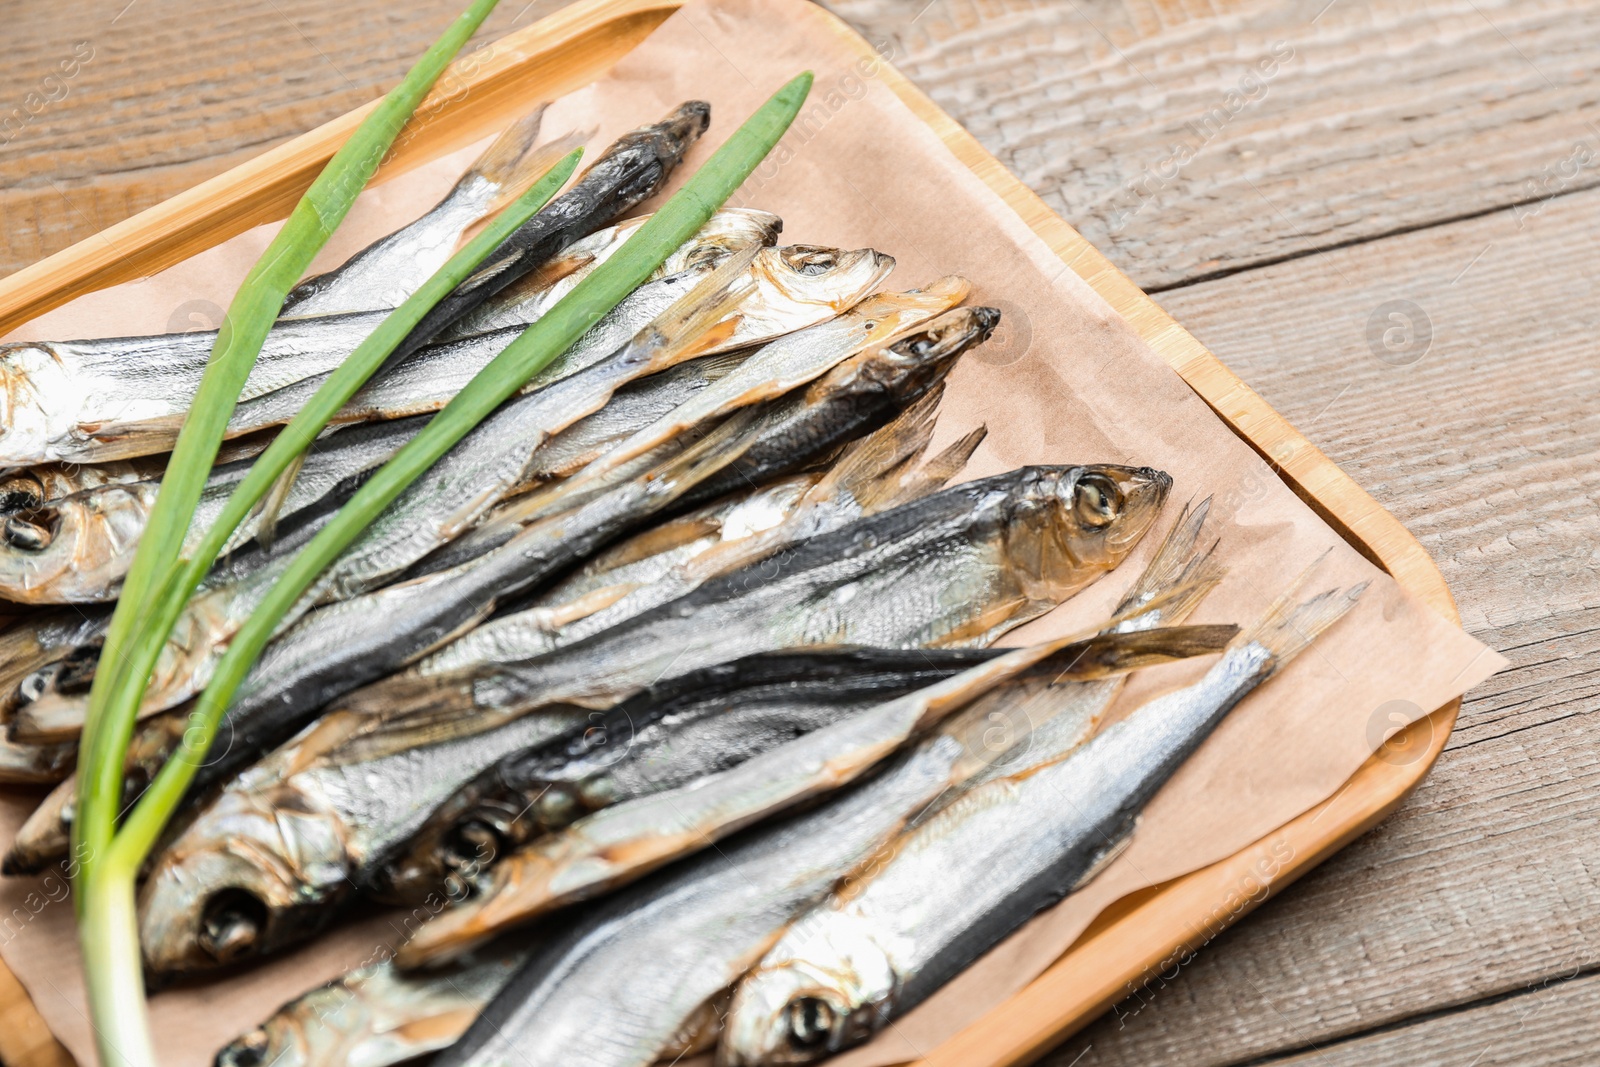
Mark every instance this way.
x=672 y=136
x=785 y=1015
x=926 y=354
x=249 y=878
x=252 y=1050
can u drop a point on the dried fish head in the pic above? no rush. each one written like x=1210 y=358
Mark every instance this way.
x=235 y=891
x=73 y=549
x=825 y=275
x=667 y=142
x=37 y=399
x=1078 y=521
x=801 y=1009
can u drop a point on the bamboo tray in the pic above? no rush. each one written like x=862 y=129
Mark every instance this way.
x=573 y=47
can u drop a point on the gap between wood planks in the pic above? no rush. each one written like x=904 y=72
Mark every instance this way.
x=1486 y=883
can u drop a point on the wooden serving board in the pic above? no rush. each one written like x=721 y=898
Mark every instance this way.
x=1140 y=935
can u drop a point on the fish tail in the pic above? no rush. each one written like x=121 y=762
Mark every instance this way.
x=705 y=315
x=1176 y=563
x=867 y=467
x=513 y=176
x=932 y=475
x=271 y=505
x=1291 y=624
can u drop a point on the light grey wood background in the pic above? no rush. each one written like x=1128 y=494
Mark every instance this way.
x=1442 y=154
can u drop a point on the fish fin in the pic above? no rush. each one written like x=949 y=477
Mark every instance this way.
x=1109 y=654
x=706 y=315
x=1176 y=563
x=1290 y=625
x=932 y=475
x=535 y=165
x=271 y=505
x=499 y=162
x=863 y=469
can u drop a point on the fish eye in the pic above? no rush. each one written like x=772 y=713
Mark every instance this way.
x=810 y=1022
x=473 y=845
x=811 y=261
x=32 y=531
x=1096 y=501
x=246 y=1051
x=20 y=492
x=231 y=924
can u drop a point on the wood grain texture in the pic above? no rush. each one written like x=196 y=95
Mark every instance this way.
x=1486 y=884
x=1370 y=116
x=1547 y=1025
x=173 y=93
x=1408 y=116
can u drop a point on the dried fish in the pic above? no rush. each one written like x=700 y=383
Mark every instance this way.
x=77 y=548
x=617 y=844
x=290 y=834
x=376 y=1016
x=348 y=643
x=88 y=401
x=659 y=953
x=946 y=892
x=663 y=738
x=643 y=334
x=386 y=272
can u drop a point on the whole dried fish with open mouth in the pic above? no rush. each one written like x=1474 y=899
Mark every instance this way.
x=77 y=548
x=957 y=568
x=659 y=953
x=95 y=400
x=946 y=892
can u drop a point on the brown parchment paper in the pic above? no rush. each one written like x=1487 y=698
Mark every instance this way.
x=1066 y=380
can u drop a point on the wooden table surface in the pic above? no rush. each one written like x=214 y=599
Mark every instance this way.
x=1382 y=215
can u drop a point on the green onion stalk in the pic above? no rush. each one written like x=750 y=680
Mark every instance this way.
x=105 y=877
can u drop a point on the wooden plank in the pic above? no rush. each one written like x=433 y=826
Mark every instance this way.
x=1551 y=1024
x=148 y=105
x=1484 y=447
x=1239 y=406
x=1373 y=117
x=1486 y=882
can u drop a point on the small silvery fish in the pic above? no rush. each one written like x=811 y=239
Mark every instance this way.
x=96 y=400
x=872 y=475
x=495 y=457
x=957 y=568
x=658 y=954
x=427 y=379
x=77 y=548
x=617 y=844
x=665 y=737
x=946 y=892
x=376 y=1016
x=348 y=643
x=37 y=649
x=389 y=270
x=780 y=366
